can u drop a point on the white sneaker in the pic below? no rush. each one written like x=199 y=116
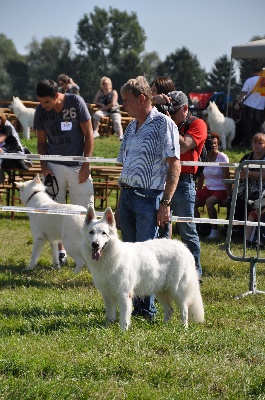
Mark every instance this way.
x=62 y=258
x=214 y=234
x=96 y=134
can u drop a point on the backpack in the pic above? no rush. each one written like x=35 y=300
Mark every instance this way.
x=205 y=150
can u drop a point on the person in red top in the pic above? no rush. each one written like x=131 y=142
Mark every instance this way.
x=192 y=135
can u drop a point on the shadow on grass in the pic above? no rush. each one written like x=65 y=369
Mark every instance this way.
x=41 y=320
x=12 y=277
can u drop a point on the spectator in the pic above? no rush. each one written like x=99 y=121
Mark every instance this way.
x=13 y=138
x=254 y=105
x=67 y=85
x=10 y=143
x=159 y=87
x=192 y=135
x=215 y=190
x=107 y=101
x=258 y=153
x=162 y=85
x=150 y=156
x=63 y=126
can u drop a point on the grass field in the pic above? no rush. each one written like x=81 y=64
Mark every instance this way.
x=54 y=344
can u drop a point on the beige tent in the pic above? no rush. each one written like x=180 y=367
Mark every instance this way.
x=255 y=49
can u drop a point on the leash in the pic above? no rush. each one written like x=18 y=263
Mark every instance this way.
x=51 y=182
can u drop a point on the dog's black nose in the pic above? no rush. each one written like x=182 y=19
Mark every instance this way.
x=95 y=245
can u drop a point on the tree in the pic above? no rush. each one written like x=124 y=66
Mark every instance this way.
x=11 y=66
x=5 y=84
x=184 y=69
x=19 y=75
x=149 y=64
x=7 y=49
x=110 y=42
x=217 y=79
x=48 y=59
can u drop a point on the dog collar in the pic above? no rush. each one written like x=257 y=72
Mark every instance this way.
x=30 y=197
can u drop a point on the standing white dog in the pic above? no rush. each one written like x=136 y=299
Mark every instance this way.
x=51 y=227
x=225 y=126
x=24 y=115
x=121 y=270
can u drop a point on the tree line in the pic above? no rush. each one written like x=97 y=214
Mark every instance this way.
x=110 y=43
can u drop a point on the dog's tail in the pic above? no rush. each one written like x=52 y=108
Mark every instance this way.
x=196 y=309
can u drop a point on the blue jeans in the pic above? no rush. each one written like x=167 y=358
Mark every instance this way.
x=138 y=210
x=183 y=206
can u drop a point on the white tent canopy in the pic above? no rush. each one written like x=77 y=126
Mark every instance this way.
x=255 y=49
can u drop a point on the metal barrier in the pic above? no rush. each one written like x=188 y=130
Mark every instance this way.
x=252 y=256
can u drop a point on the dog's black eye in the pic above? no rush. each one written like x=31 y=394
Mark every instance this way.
x=91 y=232
x=104 y=233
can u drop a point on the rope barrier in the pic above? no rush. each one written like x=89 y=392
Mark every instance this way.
x=63 y=211
x=114 y=161
x=46 y=157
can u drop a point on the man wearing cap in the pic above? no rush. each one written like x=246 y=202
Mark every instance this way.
x=192 y=135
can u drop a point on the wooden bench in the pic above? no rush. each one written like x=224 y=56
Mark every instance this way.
x=9 y=189
x=105 y=181
x=106 y=126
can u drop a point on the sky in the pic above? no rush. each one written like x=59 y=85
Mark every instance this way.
x=207 y=28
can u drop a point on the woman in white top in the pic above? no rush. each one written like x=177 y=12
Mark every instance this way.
x=106 y=100
x=215 y=190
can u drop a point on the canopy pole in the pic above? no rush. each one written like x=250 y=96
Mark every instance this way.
x=229 y=84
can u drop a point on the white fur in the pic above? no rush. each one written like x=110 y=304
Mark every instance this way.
x=121 y=270
x=225 y=126
x=51 y=227
x=24 y=115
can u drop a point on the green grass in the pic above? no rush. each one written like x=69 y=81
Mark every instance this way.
x=103 y=147
x=54 y=343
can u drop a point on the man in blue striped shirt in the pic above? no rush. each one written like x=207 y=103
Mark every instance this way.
x=150 y=155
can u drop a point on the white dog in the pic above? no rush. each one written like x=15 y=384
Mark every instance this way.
x=121 y=270
x=24 y=115
x=225 y=126
x=52 y=227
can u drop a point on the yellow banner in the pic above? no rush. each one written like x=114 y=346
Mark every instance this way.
x=260 y=85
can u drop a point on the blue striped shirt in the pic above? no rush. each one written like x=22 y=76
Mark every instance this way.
x=144 y=152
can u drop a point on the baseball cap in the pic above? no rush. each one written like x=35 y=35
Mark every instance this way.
x=179 y=97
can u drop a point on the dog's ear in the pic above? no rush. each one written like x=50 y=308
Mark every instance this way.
x=37 y=178
x=90 y=214
x=19 y=184
x=109 y=217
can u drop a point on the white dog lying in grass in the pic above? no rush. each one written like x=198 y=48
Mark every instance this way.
x=121 y=270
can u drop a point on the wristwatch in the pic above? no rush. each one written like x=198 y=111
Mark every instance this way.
x=165 y=202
